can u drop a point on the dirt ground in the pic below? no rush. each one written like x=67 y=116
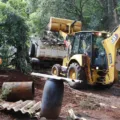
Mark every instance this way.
x=91 y=104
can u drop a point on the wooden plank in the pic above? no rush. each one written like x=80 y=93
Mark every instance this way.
x=68 y=80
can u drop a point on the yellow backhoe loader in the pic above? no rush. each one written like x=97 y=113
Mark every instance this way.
x=93 y=56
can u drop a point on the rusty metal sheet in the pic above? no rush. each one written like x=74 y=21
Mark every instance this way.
x=25 y=107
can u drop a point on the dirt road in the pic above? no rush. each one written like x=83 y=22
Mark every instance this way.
x=92 y=104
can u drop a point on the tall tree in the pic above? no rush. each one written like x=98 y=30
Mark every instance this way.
x=110 y=15
x=14 y=32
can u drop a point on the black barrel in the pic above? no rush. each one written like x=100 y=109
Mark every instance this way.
x=52 y=99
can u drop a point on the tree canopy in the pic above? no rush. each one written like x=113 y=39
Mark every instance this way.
x=14 y=32
x=20 y=19
x=94 y=14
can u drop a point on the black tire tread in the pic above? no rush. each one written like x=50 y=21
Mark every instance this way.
x=58 y=67
x=80 y=76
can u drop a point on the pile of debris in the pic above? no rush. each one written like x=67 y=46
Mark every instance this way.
x=51 y=38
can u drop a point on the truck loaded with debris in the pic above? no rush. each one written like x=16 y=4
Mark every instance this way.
x=47 y=51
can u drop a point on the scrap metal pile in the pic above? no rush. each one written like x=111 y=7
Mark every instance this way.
x=18 y=97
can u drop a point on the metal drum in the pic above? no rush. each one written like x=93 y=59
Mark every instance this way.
x=13 y=91
x=52 y=99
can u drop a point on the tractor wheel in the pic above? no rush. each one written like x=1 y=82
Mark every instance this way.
x=77 y=72
x=32 y=50
x=56 y=70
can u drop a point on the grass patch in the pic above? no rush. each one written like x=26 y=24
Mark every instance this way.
x=5 y=92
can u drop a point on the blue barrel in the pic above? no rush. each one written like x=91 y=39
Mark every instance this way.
x=52 y=99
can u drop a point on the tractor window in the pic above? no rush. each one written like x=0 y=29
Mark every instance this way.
x=98 y=43
x=75 y=44
x=99 y=57
x=82 y=43
x=85 y=46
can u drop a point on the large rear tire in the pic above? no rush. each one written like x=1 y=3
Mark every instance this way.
x=77 y=72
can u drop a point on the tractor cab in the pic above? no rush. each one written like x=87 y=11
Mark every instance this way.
x=89 y=43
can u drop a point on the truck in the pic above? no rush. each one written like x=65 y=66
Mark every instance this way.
x=46 y=51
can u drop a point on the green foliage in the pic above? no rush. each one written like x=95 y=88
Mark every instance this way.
x=19 y=7
x=14 y=32
x=88 y=11
x=5 y=92
x=3 y=10
x=5 y=53
x=34 y=23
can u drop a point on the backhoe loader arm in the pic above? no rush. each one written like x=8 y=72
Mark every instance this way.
x=63 y=34
x=112 y=48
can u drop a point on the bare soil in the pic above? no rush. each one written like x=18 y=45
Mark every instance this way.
x=92 y=103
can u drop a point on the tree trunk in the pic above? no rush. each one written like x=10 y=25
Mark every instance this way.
x=110 y=16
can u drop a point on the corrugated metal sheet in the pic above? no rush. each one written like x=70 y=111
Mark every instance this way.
x=25 y=107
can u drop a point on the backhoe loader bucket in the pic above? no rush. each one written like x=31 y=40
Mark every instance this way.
x=57 y=24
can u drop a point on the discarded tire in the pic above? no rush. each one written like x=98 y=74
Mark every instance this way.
x=13 y=91
x=52 y=99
